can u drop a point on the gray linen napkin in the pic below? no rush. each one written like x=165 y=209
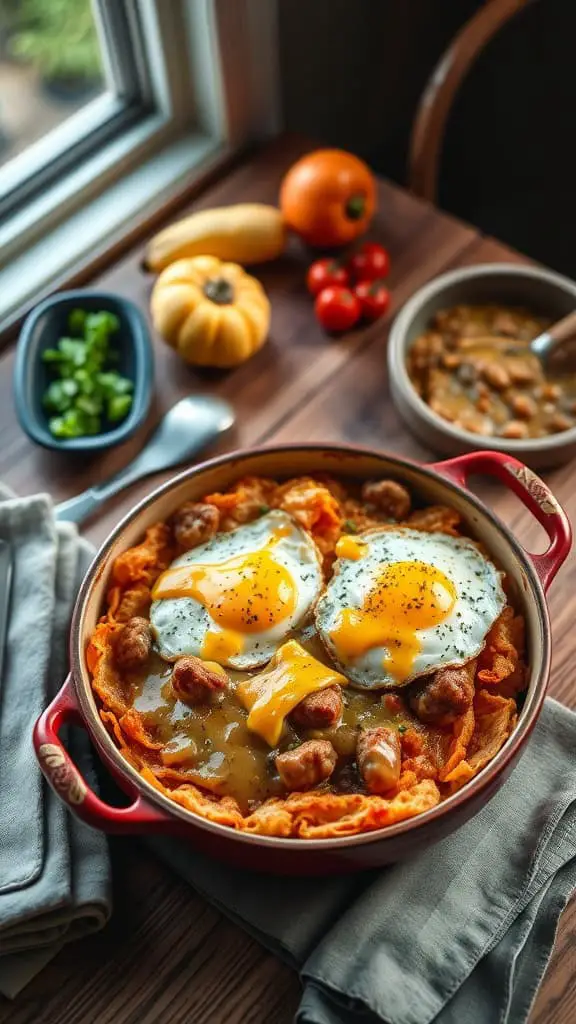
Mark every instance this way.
x=54 y=870
x=460 y=934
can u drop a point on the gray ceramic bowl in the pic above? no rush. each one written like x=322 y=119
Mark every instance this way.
x=541 y=291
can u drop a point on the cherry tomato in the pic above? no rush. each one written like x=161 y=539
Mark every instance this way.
x=337 y=308
x=325 y=272
x=374 y=298
x=370 y=262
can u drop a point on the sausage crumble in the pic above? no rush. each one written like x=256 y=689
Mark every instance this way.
x=133 y=643
x=307 y=765
x=195 y=523
x=319 y=710
x=194 y=682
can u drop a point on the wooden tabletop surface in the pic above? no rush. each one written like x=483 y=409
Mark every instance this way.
x=167 y=957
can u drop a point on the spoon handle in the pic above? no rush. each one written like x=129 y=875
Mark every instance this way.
x=83 y=505
x=556 y=336
x=184 y=431
x=77 y=509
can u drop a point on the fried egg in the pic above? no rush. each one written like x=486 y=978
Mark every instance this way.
x=403 y=603
x=235 y=599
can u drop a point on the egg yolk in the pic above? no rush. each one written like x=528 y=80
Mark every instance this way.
x=219 y=647
x=407 y=597
x=245 y=594
x=350 y=547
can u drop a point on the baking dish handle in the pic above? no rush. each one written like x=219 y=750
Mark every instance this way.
x=533 y=493
x=68 y=783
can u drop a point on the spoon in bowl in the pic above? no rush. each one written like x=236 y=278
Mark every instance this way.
x=553 y=338
x=546 y=345
x=185 y=429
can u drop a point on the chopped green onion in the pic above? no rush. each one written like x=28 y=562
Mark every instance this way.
x=118 y=407
x=112 y=383
x=69 y=387
x=77 y=321
x=52 y=355
x=86 y=392
x=91 y=406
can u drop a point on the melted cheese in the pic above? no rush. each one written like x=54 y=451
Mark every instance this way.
x=271 y=695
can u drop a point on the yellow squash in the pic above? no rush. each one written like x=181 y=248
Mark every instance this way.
x=212 y=313
x=245 y=233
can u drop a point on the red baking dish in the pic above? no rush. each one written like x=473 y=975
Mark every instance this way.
x=441 y=483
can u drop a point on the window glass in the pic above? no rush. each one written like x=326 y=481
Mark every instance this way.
x=50 y=67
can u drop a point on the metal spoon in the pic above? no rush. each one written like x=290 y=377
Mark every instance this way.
x=543 y=347
x=547 y=343
x=185 y=429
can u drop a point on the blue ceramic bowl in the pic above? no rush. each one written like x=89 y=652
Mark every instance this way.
x=41 y=330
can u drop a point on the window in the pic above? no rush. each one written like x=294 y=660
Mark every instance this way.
x=106 y=108
x=50 y=67
x=72 y=75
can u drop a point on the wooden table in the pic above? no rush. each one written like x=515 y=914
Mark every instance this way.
x=167 y=957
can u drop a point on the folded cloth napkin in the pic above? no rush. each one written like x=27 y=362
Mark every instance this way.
x=54 y=870
x=460 y=934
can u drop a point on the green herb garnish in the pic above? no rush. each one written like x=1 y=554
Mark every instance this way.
x=86 y=394
x=402 y=728
x=349 y=526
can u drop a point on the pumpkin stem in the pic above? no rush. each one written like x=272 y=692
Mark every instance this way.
x=355 y=207
x=219 y=290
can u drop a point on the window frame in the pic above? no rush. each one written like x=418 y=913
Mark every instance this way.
x=127 y=98
x=194 y=122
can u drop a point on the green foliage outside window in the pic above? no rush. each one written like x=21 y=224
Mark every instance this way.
x=58 y=37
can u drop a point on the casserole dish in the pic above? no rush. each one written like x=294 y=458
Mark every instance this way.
x=441 y=483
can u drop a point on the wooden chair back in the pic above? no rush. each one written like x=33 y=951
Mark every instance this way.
x=440 y=92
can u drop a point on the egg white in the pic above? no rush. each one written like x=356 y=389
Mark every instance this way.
x=460 y=637
x=180 y=624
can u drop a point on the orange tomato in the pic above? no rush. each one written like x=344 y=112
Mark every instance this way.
x=328 y=197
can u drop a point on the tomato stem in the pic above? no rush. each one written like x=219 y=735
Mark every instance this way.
x=379 y=282
x=355 y=207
